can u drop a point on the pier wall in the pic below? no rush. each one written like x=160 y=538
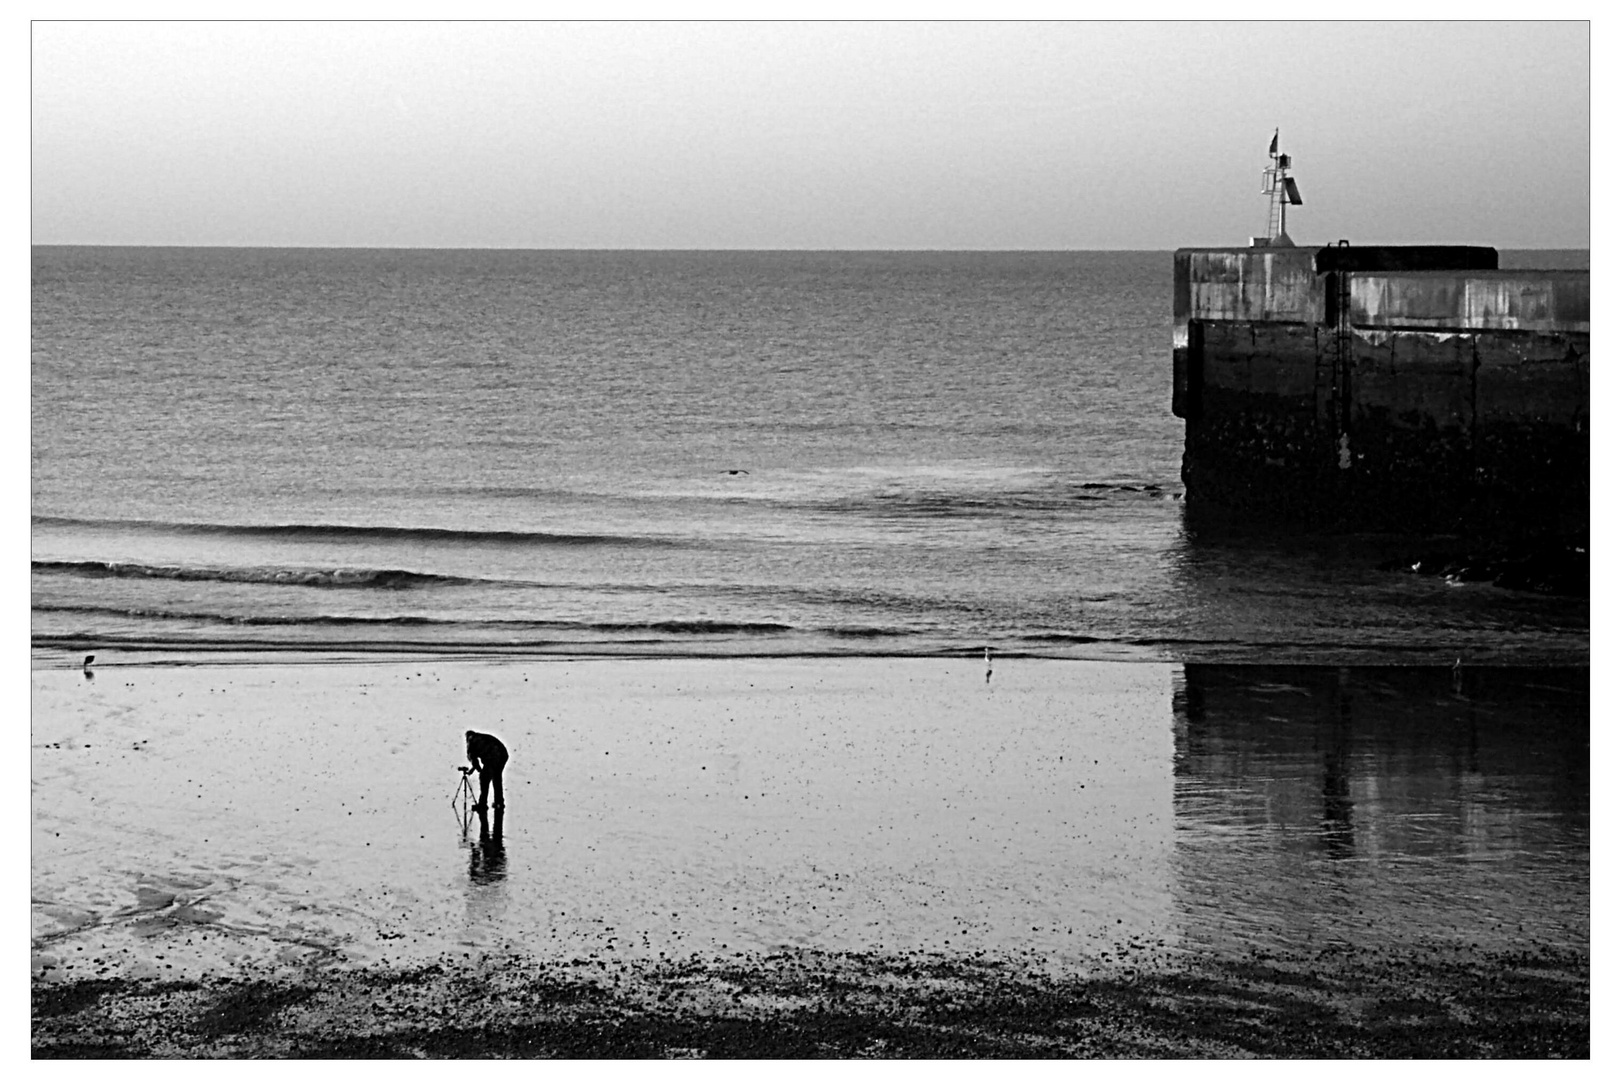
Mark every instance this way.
x=1403 y=389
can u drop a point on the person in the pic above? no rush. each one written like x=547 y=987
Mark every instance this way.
x=486 y=754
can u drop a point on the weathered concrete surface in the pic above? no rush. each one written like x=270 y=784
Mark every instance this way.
x=1405 y=400
x=1274 y=284
x=1548 y=300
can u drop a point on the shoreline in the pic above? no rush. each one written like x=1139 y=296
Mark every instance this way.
x=69 y=655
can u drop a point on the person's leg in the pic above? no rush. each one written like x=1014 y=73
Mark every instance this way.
x=495 y=781
x=483 y=789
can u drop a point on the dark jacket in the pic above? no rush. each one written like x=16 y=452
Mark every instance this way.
x=485 y=752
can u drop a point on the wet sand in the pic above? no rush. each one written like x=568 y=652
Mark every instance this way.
x=799 y=858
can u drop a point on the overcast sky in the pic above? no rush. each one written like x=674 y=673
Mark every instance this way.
x=820 y=135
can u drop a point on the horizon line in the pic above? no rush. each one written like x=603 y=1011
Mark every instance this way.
x=764 y=250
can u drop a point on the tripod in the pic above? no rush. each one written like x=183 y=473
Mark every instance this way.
x=463 y=792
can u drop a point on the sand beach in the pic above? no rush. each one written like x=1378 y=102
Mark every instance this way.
x=259 y=856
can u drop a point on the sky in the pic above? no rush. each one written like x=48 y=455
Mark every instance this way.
x=826 y=135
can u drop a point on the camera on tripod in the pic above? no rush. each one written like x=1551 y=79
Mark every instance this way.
x=464 y=787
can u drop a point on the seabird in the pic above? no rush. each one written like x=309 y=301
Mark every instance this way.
x=91 y=659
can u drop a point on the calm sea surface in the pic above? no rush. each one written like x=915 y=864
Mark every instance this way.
x=665 y=452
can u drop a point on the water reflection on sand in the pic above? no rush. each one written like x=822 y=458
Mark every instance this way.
x=185 y=818
x=483 y=837
x=1379 y=806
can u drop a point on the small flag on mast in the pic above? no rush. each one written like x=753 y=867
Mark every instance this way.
x=1273 y=149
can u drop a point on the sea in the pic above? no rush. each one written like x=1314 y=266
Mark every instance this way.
x=669 y=453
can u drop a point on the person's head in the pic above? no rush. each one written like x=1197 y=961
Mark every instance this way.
x=470 y=734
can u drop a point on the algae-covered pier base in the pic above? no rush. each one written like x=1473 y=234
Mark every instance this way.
x=1407 y=389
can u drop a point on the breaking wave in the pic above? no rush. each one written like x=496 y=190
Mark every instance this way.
x=365 y=532
x=658 y=626
x=342 y=578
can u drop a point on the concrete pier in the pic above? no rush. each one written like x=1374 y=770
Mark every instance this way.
x=1406 y=389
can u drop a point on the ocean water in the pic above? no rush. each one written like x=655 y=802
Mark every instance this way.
x=666 y=453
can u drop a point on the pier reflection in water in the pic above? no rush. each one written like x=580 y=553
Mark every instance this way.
x=1385 y=806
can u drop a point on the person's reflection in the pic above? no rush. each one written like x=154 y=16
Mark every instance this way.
x=487 y=860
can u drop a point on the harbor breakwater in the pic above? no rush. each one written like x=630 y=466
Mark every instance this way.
x=1418 y=390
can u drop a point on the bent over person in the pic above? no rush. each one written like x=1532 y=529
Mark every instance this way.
x=486 y=754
